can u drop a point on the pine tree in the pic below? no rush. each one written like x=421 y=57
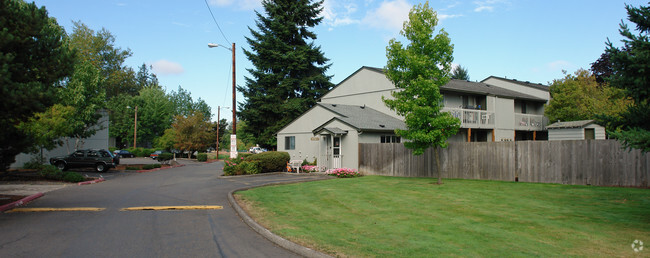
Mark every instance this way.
x=289 y=74
x=631 y=72
x=34 y=58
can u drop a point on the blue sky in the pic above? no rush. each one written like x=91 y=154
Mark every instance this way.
x=527 y=40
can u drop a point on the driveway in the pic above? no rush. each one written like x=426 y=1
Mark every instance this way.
x=113 y=231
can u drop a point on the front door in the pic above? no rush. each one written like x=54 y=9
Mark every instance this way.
x=336 y=152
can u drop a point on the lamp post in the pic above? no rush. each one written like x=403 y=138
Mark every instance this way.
x=233 y=136
x=135 y=126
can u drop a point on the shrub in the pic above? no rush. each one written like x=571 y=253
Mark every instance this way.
x=112 y=149
x=32 y=164
x=241 y=167
x=151 y=166
x=50 y=172
x=309 y=168
x=271 y=161
x=244 y=155
x=132 y=168
x=202 y=157
x=141 y=152
x=343 y=172
x=73 y=177
x=250 y=167
x=165 y=157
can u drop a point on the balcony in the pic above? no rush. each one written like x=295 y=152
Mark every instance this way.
x=526 y=122
x=471 y=118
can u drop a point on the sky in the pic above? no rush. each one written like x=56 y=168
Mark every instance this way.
x=527 y=40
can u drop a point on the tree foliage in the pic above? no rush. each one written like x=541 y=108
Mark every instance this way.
x=289 y=70
x=460 y=73
x=34 y=58
x=192 y=133
x=418 y=70
x=631 y=72
x=581 y=97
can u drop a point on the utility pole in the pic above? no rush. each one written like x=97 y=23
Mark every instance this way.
x=233 y=136
x=135 y=128
x=218 y=125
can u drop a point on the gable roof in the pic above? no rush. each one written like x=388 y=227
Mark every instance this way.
x=485 y=89
x=570 y=124
x=538 y=86
x=361 y=118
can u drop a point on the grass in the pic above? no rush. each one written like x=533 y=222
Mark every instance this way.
x=385 y=216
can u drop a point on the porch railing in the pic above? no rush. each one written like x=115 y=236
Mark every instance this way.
x=470 y=118
x=528 y=122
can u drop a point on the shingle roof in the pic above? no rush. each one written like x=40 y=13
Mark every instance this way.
x=524 y=83
x=362 y=118
x=570 y=124
x=485 y=89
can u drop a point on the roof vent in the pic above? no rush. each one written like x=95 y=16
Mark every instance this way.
x=364 y=106
x=382 y=126
x=333 y=105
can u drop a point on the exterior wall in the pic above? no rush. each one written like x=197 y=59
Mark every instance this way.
x=365 y=87
x=505 y=119
x=575 y=133
x=301 y=128
x=97 y=141
x=519 y=88
x=349 y=147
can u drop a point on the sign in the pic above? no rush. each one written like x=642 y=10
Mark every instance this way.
x=233 y=146
x=315 y=139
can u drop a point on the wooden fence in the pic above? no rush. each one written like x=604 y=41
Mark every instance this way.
x=593 y=162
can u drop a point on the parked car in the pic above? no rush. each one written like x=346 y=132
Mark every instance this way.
x=256 y=150
x=155 y=154
x=99 y=159
x=123 y=154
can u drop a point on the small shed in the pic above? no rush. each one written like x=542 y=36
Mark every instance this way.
x=575 y=130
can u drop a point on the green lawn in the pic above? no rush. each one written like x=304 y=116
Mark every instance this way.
x=412 y=217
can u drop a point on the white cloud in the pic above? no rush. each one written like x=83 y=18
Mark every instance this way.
x=240 y=4
x=442 y=17
x=165 y=67
x=337 y=14
x=559 y=65
x=489 y=5
x=390 y=15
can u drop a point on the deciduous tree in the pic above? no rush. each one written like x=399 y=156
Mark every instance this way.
x=192 y=133
x=34 y=59
x=581 y=97
x=289 y=70
x=418 y=70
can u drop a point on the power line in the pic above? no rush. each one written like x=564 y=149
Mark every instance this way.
x=215 y=21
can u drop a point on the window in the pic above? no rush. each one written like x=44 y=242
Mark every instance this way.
x=93 y=154
x=78 y=154
x=289 y=142
x=590 y=134
x=390 y=139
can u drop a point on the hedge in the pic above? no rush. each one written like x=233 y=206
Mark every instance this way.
x=270 y=161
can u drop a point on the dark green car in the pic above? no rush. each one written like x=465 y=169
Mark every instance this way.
x=100 y=160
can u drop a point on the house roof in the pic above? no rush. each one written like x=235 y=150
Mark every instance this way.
x=570 y=124
x=361 y=118
x=538 y=86
x=331 y=130
x=474 y=87
x=485 y=89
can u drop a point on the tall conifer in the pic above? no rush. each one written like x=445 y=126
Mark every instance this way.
x=289 y=74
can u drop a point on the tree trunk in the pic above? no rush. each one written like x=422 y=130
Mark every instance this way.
x=438 y=165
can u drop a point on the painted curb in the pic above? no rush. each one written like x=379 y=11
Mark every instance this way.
x=278 y=240
x=20 y=202
x=92 y=181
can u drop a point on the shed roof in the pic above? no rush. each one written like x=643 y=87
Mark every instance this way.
x=570 y=124
x=361 y=118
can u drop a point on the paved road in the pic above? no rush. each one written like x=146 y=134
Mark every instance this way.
x=143 y=233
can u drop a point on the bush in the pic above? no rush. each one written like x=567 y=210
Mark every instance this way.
x=73 y=177
x=151 y=166
x=241 y=168
x=141 y=152
x=112 y=149
x=202 y=157
x=32 y=164
x=243 y=155
x=250 y=167
x=270 y=161
x=50 y=172
x=343 y=172
x=165 y=157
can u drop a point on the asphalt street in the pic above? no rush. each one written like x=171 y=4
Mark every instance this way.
x=114 y=232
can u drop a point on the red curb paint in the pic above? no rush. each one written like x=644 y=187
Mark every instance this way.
x=20 y=202
x=91 y=182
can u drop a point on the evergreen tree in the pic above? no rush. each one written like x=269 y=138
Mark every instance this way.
x=289 y=74
x=460 y=73
x=34 y=58
x=631 y=72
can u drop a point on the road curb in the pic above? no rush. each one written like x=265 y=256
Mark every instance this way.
x=156 y=169
x=20 y=202
x=278 y=240
x=91 y=182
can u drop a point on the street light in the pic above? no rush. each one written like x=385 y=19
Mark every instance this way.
x=233 y=136
x=135 y=126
